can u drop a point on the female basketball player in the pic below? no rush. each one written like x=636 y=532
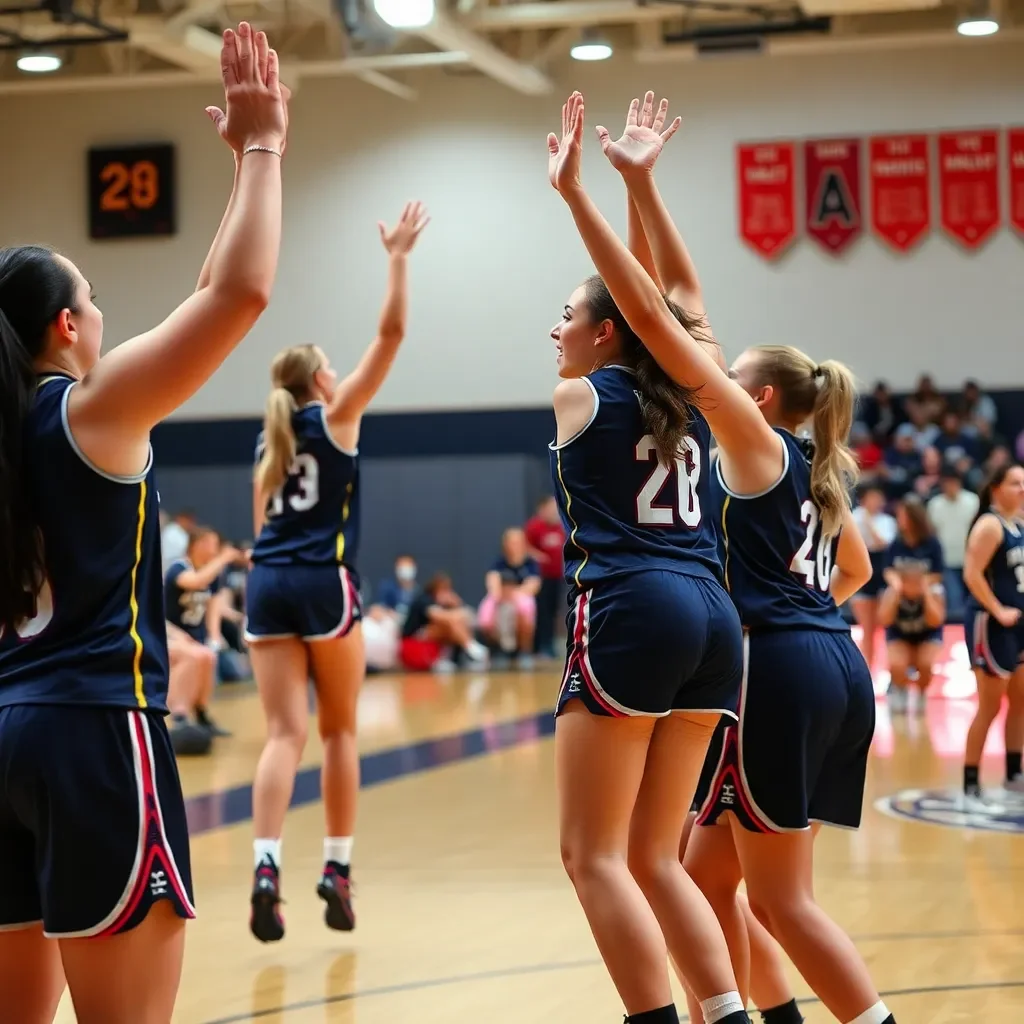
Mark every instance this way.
x=913 y=608
x=93 y=839
x=667 y=261
x=651 y=632
x=191 y=586
x=878 y=529
x=763 y=477
x=994 y=574
x=302 y=600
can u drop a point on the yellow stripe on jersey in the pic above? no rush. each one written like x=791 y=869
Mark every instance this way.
x=725 y=538
x=345 y=510
x=568 y=513
x=140 y=696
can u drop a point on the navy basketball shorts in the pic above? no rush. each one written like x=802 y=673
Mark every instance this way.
x=799 y=752
x=994 y=648
x=310 y=602
x=893 y=634
x=92 y=821
x=651 y=643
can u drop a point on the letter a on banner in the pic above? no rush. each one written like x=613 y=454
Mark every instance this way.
x=832 y=183
x=1015 y=154
x=767 y=195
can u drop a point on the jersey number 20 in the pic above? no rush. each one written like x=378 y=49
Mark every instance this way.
x=306 y=472
x=821 y=565
x=687 y=470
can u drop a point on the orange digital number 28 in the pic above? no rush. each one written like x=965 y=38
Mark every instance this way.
x=136 y=185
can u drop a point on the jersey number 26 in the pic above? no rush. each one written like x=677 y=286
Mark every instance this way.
x=820 y=566
x=687 y=470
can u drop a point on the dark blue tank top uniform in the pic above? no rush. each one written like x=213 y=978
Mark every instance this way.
x=90 y=801
x=926 y=558
x=996 y=649
x=807 y=714
x=186 y=608
x=650 y=628
x=303 y=582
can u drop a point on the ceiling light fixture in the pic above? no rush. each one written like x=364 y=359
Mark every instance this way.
x=978 y=27
x=405 y=13
x=39 y=63
x=591 y=47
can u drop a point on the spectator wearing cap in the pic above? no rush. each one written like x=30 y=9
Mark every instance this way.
x=901 y=462
x=952 y=512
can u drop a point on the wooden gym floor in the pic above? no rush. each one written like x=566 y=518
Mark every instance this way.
x=464 y=912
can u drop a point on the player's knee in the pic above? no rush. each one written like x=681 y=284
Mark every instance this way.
x=207 y=658
x=651 y=871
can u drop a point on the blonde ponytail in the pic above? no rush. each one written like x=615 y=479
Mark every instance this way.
x=834 y=469
x=278 y=441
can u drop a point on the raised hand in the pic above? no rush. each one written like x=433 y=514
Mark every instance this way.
x=255 y=104
x=400 y=240
x=564 y=154
x=643 y=138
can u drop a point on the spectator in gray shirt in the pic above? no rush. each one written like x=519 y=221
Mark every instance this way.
x=951 y=512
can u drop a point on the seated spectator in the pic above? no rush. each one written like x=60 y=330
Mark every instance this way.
x=437 y=619
x=546 y=538
x=866 y=450
x=913 y=608
x=193 y=635
x=925 y=431
x=882 y=413
x=954 y=444
x=977 y=410
x=397 y=593
x=901 y=462
x=174 y=537
x=508 y=614
x=925 y=405
x=952 y=512
x=927 y=484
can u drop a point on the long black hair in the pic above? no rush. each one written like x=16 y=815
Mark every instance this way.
x=994 y=480
x=667 y=405
x=34 y=288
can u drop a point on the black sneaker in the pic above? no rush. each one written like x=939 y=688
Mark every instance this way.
x=206 y=722
x=189 y=739
x=335 y=890
x=265 y=920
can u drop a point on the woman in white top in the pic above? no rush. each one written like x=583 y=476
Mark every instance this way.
x=878 y=529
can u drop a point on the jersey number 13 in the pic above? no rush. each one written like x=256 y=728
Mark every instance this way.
x=305 y=471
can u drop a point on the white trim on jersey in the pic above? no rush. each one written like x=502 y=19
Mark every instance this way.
x=138 y=478
x=347 y=609
x=981 y=622
x=586 y=426
x=767 y=490
x=330 y=436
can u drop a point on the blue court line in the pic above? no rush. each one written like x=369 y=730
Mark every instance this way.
x=208 y=811
x=531 y=969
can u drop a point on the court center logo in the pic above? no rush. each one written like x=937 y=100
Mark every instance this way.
x=999 y=812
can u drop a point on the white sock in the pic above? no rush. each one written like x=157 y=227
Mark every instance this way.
x=876 y=1014
x=262 y=848
x=721 y=1006
x=338 y=849
x=476 y=650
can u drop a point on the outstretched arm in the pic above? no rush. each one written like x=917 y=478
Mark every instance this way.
x=356 y=391
x=140 y=382
x=737 y=423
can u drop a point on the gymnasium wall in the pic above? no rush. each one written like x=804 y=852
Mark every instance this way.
x=501 y=255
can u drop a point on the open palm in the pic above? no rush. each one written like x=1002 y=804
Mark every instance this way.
x=643 y=138
x=564 y=154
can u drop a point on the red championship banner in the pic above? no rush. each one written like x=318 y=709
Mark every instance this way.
x=832 y=181
x=900 y=187
x=767 y=195
x=969 y=185
x=1015 y=154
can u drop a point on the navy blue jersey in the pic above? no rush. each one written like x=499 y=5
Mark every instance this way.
x=98 y=638
x=314 y=518
x=910 y=621
x=623 y=510
x=925 y=557
x=1005 y=570
x=777 y=562
x=186 y=609
x=515 y=574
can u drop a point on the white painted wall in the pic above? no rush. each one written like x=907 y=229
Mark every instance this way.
x=501 y=256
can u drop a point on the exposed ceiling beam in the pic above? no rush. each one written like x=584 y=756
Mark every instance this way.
x=375 y=78
x=448 y=34
x=580 y=13
x=557 y=46
x=165 y=79
x=194 y=49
